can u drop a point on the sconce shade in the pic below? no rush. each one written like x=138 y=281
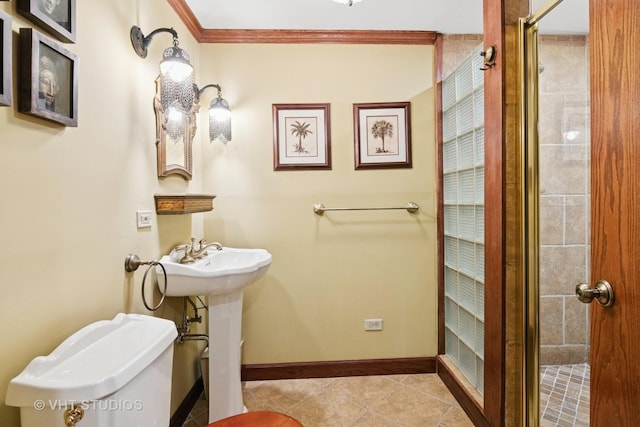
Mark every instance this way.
x=219 y=120
x=175 y=64
x=176 y=80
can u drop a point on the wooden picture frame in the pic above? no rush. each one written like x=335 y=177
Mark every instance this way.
x=301 y=136
x=48 y=81
x=57 y=17
x=382 y=135
x=6 y=82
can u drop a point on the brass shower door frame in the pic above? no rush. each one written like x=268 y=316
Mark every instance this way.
x=529 y=72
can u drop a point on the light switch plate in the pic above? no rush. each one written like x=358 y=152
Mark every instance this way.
x=143 y=219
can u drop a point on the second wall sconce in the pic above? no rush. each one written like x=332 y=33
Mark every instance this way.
x=219 y=114
x=176 y=72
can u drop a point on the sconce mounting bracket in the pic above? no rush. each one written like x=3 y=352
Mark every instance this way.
x=140 y=42
x=137 y=40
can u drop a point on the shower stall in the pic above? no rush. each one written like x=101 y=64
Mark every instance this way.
x=557 y=150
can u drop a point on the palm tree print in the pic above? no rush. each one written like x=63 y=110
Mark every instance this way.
x=381 y=129
x=301 y=131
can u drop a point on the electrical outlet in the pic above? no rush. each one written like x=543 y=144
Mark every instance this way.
x=143 y=219
x=372 y=324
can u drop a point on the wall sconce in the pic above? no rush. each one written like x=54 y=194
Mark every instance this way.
x=219 y=114
x=176 y=72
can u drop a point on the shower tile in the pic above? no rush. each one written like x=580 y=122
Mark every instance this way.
x=561 y=269
x=576 y=322
x=550 y=128
x=551 y=315
x=564 y=395
x=577 y=220
x=576 y=119
x=563 y=169
x=557 y=59
x=551 y=220
x=563 y=354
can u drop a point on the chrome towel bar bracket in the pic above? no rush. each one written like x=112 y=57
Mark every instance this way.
x=410 y=207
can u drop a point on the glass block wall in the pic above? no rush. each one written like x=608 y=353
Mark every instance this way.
x=463 y=180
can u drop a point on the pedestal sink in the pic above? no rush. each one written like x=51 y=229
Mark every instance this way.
x=222 y=275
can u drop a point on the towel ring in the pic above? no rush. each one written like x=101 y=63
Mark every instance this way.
x=132 y=262
x=164 y=291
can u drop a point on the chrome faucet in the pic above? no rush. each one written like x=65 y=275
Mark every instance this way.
x=194 y=251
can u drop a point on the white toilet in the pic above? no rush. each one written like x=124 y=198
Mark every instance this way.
x=111 y=373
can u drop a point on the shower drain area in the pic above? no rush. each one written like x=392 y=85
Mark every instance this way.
x=564 y=395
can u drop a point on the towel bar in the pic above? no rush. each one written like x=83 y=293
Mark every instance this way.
x=410 y=207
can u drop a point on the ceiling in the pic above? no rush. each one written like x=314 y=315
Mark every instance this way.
x=444 y=16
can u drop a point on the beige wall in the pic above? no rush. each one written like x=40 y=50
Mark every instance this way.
x=68 y=219
x=70 y=195
x=328 y=273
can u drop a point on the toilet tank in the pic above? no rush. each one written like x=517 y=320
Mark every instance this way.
x=117 y=372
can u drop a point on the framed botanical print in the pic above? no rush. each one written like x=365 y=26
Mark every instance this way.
x=382 y=135
x=301 y=136
x=48 y=79
x=57 y=17
x=5 y=58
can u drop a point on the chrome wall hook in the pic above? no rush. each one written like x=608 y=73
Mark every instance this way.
x=489 y=57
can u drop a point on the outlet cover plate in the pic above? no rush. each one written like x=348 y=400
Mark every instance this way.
x=373 y=324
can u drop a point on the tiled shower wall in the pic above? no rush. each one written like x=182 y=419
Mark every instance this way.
x=564 y=198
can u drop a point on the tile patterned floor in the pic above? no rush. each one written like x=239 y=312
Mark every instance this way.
x=373 y=401
x=564 y=395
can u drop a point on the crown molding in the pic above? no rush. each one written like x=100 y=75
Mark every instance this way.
x=298 y=36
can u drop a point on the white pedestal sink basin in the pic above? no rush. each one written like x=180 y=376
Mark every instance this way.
x=222 y=276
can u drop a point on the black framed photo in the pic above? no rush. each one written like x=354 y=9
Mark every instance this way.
x=48 y=79
x=57 y=17
x=301 y=136
x=382 y=135
x=6 y=82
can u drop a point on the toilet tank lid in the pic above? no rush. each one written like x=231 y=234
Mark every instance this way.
x=94 y=362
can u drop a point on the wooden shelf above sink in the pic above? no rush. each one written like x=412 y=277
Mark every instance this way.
x=176 y=204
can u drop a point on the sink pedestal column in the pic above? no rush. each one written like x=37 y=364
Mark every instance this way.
x=225 y=325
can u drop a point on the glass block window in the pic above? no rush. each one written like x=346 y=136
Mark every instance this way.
x=463 y=180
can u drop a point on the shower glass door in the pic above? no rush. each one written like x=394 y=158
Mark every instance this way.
x=558 y=148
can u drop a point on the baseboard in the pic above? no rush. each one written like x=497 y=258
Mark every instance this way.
x=469 y=404
x=179 y=417
x=340 y=368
